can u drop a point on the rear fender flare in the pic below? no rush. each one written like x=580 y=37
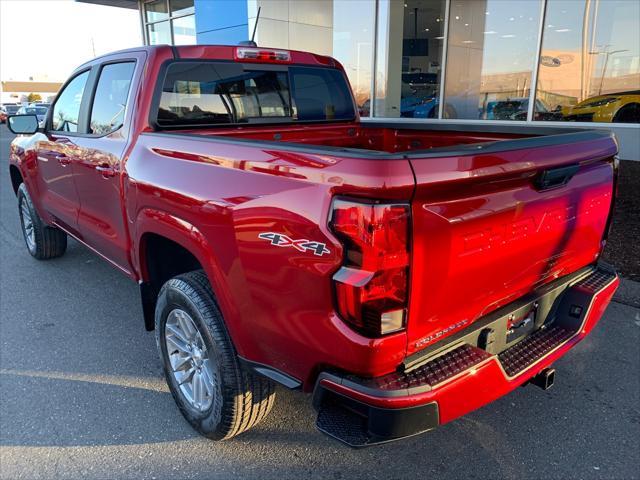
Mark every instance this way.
x=192 y=239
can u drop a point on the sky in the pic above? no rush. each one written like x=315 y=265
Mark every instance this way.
x=48 y=39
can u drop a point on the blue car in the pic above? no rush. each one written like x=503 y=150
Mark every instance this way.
x=416 y=107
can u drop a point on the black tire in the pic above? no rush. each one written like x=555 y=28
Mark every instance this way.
x=628 y=114
x=46 y=242
x=449 y=112
x=241 y=398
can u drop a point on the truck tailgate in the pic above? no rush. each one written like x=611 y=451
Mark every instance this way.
x=487 y=228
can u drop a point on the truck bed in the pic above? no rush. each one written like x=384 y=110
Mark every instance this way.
x=371 y=137
x=485 y=228
x=378 y=139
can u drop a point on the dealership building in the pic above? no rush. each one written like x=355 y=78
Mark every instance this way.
x=528 y=62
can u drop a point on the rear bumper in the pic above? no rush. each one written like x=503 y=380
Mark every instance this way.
x=461 y=377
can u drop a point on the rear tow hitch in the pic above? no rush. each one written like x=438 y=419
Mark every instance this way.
x=544 y=379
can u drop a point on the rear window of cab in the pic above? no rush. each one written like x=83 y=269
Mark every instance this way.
x=198 y=93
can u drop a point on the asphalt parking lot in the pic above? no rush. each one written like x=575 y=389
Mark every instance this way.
x=82 y=396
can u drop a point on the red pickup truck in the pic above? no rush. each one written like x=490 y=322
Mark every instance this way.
x=405 y=273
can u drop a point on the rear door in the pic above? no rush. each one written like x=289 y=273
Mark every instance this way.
x=99 y=167
x=56 y=154
x=488 y=229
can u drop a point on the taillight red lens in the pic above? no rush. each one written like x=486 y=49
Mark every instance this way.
x=371 y=287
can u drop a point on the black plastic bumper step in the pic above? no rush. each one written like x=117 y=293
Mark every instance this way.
x=343 y=425
x=432 y=373
x=525 y=353
x=360 y=425
x=596 y=281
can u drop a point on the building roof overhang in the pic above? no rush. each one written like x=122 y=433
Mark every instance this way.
x=133 y=4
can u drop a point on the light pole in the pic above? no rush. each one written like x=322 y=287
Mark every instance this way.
x=606 y=54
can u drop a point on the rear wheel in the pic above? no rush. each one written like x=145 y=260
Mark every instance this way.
x=214 y=392
x=43 y=241
x=628 y=114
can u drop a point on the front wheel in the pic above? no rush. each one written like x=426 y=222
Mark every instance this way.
x=43 y=241
x=217 y=395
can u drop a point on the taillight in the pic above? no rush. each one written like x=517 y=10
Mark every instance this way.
x=263 y=55
x=372 y=285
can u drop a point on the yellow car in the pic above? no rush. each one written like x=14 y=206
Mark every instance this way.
x=621 y=107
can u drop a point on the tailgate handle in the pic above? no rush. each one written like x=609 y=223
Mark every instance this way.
x=555 y=177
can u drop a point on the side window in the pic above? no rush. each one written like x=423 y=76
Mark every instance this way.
x=107 y=112
x=67 y=107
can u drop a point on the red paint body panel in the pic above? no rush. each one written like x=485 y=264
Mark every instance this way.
x=481 y=234
x=54 y=181
x=261 y=195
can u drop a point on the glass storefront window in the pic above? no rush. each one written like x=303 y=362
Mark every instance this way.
x=159 y=33
x=392 y=51
x=181 y=7
x=184 y=30
x=490 y=58
x=170 y=21
x=590 y=61
x=409 y=58
x=156 y=10
x=353 y=32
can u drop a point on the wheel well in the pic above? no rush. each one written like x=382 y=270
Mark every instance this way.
x=629 y=106
x=16 y=178
x=162 y=260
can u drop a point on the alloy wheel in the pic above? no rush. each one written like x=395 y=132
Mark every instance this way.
x=191 y=363
x=27 y=226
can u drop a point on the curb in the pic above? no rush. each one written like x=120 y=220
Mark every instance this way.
x=628 y=293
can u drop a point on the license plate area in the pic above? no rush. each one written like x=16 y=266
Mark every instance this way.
x=521 y=324
x=506 y=326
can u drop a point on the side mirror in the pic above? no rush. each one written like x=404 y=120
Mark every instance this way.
x=23 y=124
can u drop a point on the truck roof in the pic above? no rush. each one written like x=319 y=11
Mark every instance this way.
x=220 y=52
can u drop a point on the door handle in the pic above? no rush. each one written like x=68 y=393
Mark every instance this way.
x=105 y=170
x=63 y=159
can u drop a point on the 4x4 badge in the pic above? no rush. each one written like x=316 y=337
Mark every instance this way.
x=304 y=245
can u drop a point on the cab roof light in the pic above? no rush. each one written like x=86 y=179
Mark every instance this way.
x=262 y=55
